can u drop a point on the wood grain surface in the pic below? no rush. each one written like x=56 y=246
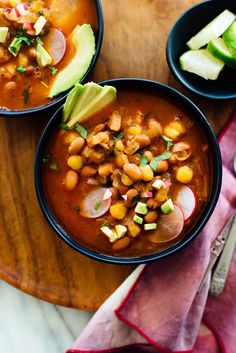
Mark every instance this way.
x=32 y=258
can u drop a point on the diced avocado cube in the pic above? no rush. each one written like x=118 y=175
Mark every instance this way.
x=3 y=34
x=120 y=230
x=141 y=208
x=42 y=56
x=138 y=219
x=158 y=184
x=109 y=233
x=14 y=47
x=167 y=207
x=150 y=226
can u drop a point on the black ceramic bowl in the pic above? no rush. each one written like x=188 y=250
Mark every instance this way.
x=52 y=106
x=189 y=24
x=188 y=106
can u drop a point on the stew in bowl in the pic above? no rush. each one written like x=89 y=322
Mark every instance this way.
x=133 y=181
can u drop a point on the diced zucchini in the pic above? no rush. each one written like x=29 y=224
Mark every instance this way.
x=43 y=58
x=14 y=47
x=213 y=30
x=109 y=233
x=3 y=34
x=120 y=230
x=150 y=226
x=158 y=184
x=39 y=24
x=167 y=207
x=138 y=219
x=141 y=208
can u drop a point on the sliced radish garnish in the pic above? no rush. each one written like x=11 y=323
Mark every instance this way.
x=55 y=44
x=93 y=205
x=186 y=199
x=169 y=226
x=107 y=195
x=146 y=194
x=22 y=9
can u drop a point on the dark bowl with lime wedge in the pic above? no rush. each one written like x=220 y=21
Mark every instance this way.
x=188 y=25
x=84 y=216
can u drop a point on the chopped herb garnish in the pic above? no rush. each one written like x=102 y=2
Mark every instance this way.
x=40 y=12
x=169 y=142
x=53 y=70
x=46 y=158
x=97 y=205
x=143 y=161
x=119 y=136
x=106 y=224
x=54 y=167
x=154 y=162
x=63 y=126
x=77 y=208
x=21 y=69
x=135 y=199
x=82 y=131
x=20 y=32
x=25 y=95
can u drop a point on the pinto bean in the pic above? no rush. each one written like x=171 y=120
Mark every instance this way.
x=121 y=244
x=88 y=171
x=10 y=86
x=142 y=140
x=76 y=145
x=131 y=195
x=133 y=171
x=162 y=166
x=151 y=217
x=71 y=180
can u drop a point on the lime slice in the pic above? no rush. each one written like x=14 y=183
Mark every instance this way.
x=218 y=48
x=201 y=63
x=213 y=30
x=229 y=37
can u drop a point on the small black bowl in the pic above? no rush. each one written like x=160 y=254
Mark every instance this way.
x=51 y=107
x=189 y=24
x=216 y=175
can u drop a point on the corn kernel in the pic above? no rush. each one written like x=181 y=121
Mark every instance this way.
x=171 y=133
x=134 y=130
x=118 y=210
x=120 y=146
x=70 y=136
x=14 y=3
x=22 y=59
x=161 y=195
x=75 y=162
x=184 y=174
x=134 y=229
x=147 y=171
x=177 y=125
x=126 y=180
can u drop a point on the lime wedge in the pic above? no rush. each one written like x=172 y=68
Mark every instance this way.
x=229 y=37
x=218 y=48
x=201 y=63
x=213 y=30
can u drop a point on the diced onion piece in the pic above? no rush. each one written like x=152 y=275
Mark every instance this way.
x=39 y=24
x=158 y=184
x=125 y=197
x=146 y=194
x=22 y=9
x=107 y=195
x=3 y=34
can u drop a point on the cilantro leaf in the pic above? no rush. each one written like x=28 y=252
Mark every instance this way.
x=63 y=126
x=154 y=162
x=143 y=161
x=169 y=142
x=46 y=159
x=97 y=205
x=53 y=70
x=21 y=69
x=81 y=130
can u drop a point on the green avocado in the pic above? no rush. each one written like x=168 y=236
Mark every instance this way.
x=84 y=41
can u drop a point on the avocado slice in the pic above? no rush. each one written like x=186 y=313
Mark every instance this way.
x=71 y=100
x=82 y=98
x=84 y=41
x=105 y=97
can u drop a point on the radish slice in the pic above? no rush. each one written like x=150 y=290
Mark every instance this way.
x=169 y=226
x=186 y=199
x=55 y=44
x=93 y=205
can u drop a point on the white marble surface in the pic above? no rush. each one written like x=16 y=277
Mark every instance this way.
x=29 y=325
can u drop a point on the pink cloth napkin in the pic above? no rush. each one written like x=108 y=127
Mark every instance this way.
x=158 y=308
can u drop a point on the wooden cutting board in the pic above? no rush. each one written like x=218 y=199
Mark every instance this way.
x=32 y=258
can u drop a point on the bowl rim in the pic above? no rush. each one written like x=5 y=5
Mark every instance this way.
x=211 y=203
x=172 y=65
x=58 y=101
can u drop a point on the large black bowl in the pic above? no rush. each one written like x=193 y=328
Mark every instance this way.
x=189 y=24
x=53 y=106
x=216 y=172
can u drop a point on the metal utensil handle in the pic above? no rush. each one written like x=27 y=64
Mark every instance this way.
x=221 y=272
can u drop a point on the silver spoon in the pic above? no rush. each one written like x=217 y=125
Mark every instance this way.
x=221 y=272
